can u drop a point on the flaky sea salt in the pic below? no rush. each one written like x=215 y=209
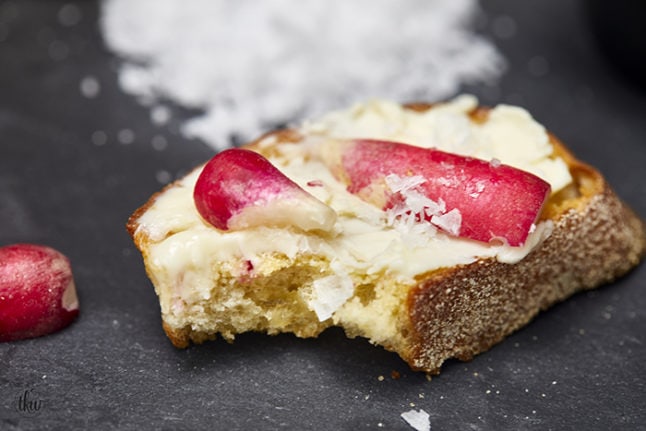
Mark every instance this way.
x=90 y=87
x=402 y=184
x=410 y=216
x=252 y=65
x=420 y=420
x=328 y=294
x=495 y=163
x=449 y=222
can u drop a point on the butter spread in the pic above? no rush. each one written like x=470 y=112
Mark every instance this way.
x=509 y=135
x=361 y=241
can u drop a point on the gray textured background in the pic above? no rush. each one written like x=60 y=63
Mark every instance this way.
x=577 y=366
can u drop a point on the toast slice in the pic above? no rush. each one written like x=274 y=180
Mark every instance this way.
x=419 y=291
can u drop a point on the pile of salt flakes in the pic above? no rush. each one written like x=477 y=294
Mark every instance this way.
x=249 y=66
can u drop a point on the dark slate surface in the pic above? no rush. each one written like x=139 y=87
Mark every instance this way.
x=577 y=366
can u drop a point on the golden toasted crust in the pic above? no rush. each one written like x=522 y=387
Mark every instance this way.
x=462 y=311
x=183 y=337
x=459 y=312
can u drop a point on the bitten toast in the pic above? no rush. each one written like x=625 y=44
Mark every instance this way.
x=408 y=280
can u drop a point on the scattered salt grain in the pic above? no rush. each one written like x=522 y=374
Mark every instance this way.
x=159 y=143
x=420 y=420
x=253 y=65
x=90 y=87
x=476 y=189
x=403 y=184
x=99 y=138
x=449 y=222
x=160 y=115
x=126 y=136
x=504 y=27
x=409 y=216
x=163 y=177
x=69 y=15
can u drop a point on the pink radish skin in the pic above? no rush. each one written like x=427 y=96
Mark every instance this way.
x=37 y=292
x=238 y=189
x=495 y=201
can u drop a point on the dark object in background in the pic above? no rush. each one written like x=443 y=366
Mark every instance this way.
x=620 y=29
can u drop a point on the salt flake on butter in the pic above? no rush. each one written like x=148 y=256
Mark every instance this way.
x=329 y=294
